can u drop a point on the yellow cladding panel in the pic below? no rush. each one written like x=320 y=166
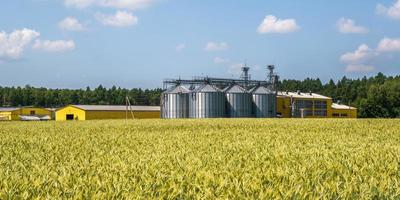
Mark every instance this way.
x=121 y=114
x=71 y=112
x=14 y=115
x=283 y=106
x=344 y=113
x=34 y=111
x=6 y=116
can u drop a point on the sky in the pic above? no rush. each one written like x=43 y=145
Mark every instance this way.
x=139 y=43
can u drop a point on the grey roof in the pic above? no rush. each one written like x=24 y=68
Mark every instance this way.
x=235 y=89
x=177 y=89
x=116 y=108
x=302 y=95
x=342 y=107
x=207 y=88
x=261 y=90
x=8 y=109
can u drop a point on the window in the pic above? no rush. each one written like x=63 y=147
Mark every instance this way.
x=320 y=113
x=336 y=115
x=308 y=113
x=344 y=115
x=320 y=105
x=33 y=112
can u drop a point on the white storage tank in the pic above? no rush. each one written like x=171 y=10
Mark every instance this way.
x=264 y=102
x=206 y=101
x=175 y=103
x=238 y=102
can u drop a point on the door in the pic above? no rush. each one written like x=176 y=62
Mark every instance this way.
x=69 y=117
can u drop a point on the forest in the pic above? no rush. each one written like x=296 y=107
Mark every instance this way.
x=375 y=97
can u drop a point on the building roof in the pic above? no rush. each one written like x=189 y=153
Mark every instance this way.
x=342 y=107
x=8 y=109
x=116 y=108
x=302 y=95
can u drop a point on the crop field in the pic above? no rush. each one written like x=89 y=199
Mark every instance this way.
x=201 y=159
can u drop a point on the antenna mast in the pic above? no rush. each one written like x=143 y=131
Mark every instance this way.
x=245 y=74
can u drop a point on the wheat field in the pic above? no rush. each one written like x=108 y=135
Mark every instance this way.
x=201 y=159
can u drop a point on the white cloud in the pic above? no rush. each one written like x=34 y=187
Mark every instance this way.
x=349 y=26
x=71 y=24
x=13 y=45
x=126 y=4
x=213 y=46
x=219 y=60
x=272 y=24
x=119 y=4
x=359 y=68
x=54 y=46
x=79 y=3
x=388 y=45
x=235 y=69
x=119 y=19
x=362 y=53
x=180 y=47
x=392 y=12
x=360 y=60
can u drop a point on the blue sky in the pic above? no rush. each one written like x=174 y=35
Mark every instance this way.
x=138 y=43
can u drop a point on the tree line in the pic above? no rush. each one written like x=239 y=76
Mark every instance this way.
x=377 y=96
x=44 y=97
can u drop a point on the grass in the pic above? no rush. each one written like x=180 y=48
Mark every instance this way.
x=201 y=159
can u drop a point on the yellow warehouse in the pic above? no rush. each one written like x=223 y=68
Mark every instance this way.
x=92 y=112
x=311 y=105
x=24 y=113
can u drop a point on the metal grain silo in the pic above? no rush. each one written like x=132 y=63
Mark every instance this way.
x=206 y=101
x=239 y=102
x=175 y=103
x=264 y=102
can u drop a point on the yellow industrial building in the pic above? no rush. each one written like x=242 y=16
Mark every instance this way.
x=24 y=113
x=311 y=105
x=94 y=112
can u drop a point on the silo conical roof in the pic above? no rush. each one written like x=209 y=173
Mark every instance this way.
x=235 y=89
x=261 y=90
x=178 y=89
x=207 y=88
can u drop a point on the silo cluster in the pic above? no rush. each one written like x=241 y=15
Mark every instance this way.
x=209 y=101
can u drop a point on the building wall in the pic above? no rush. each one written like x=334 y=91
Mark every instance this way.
x=61 y=114
x=344 y=113
x=284 y=107
x=14 y=115
x=80 y=114
x=37 y=111
x=7 y=115
x=91 y=115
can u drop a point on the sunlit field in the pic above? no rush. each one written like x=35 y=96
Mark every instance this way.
x=201 y=159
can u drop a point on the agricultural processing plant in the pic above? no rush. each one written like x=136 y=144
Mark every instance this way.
x=208 y=99
x=201 y=159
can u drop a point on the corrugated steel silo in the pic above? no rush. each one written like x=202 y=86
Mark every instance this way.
x=264 y=102
x=239 y=102
x=175 y=103
x=206 y=101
